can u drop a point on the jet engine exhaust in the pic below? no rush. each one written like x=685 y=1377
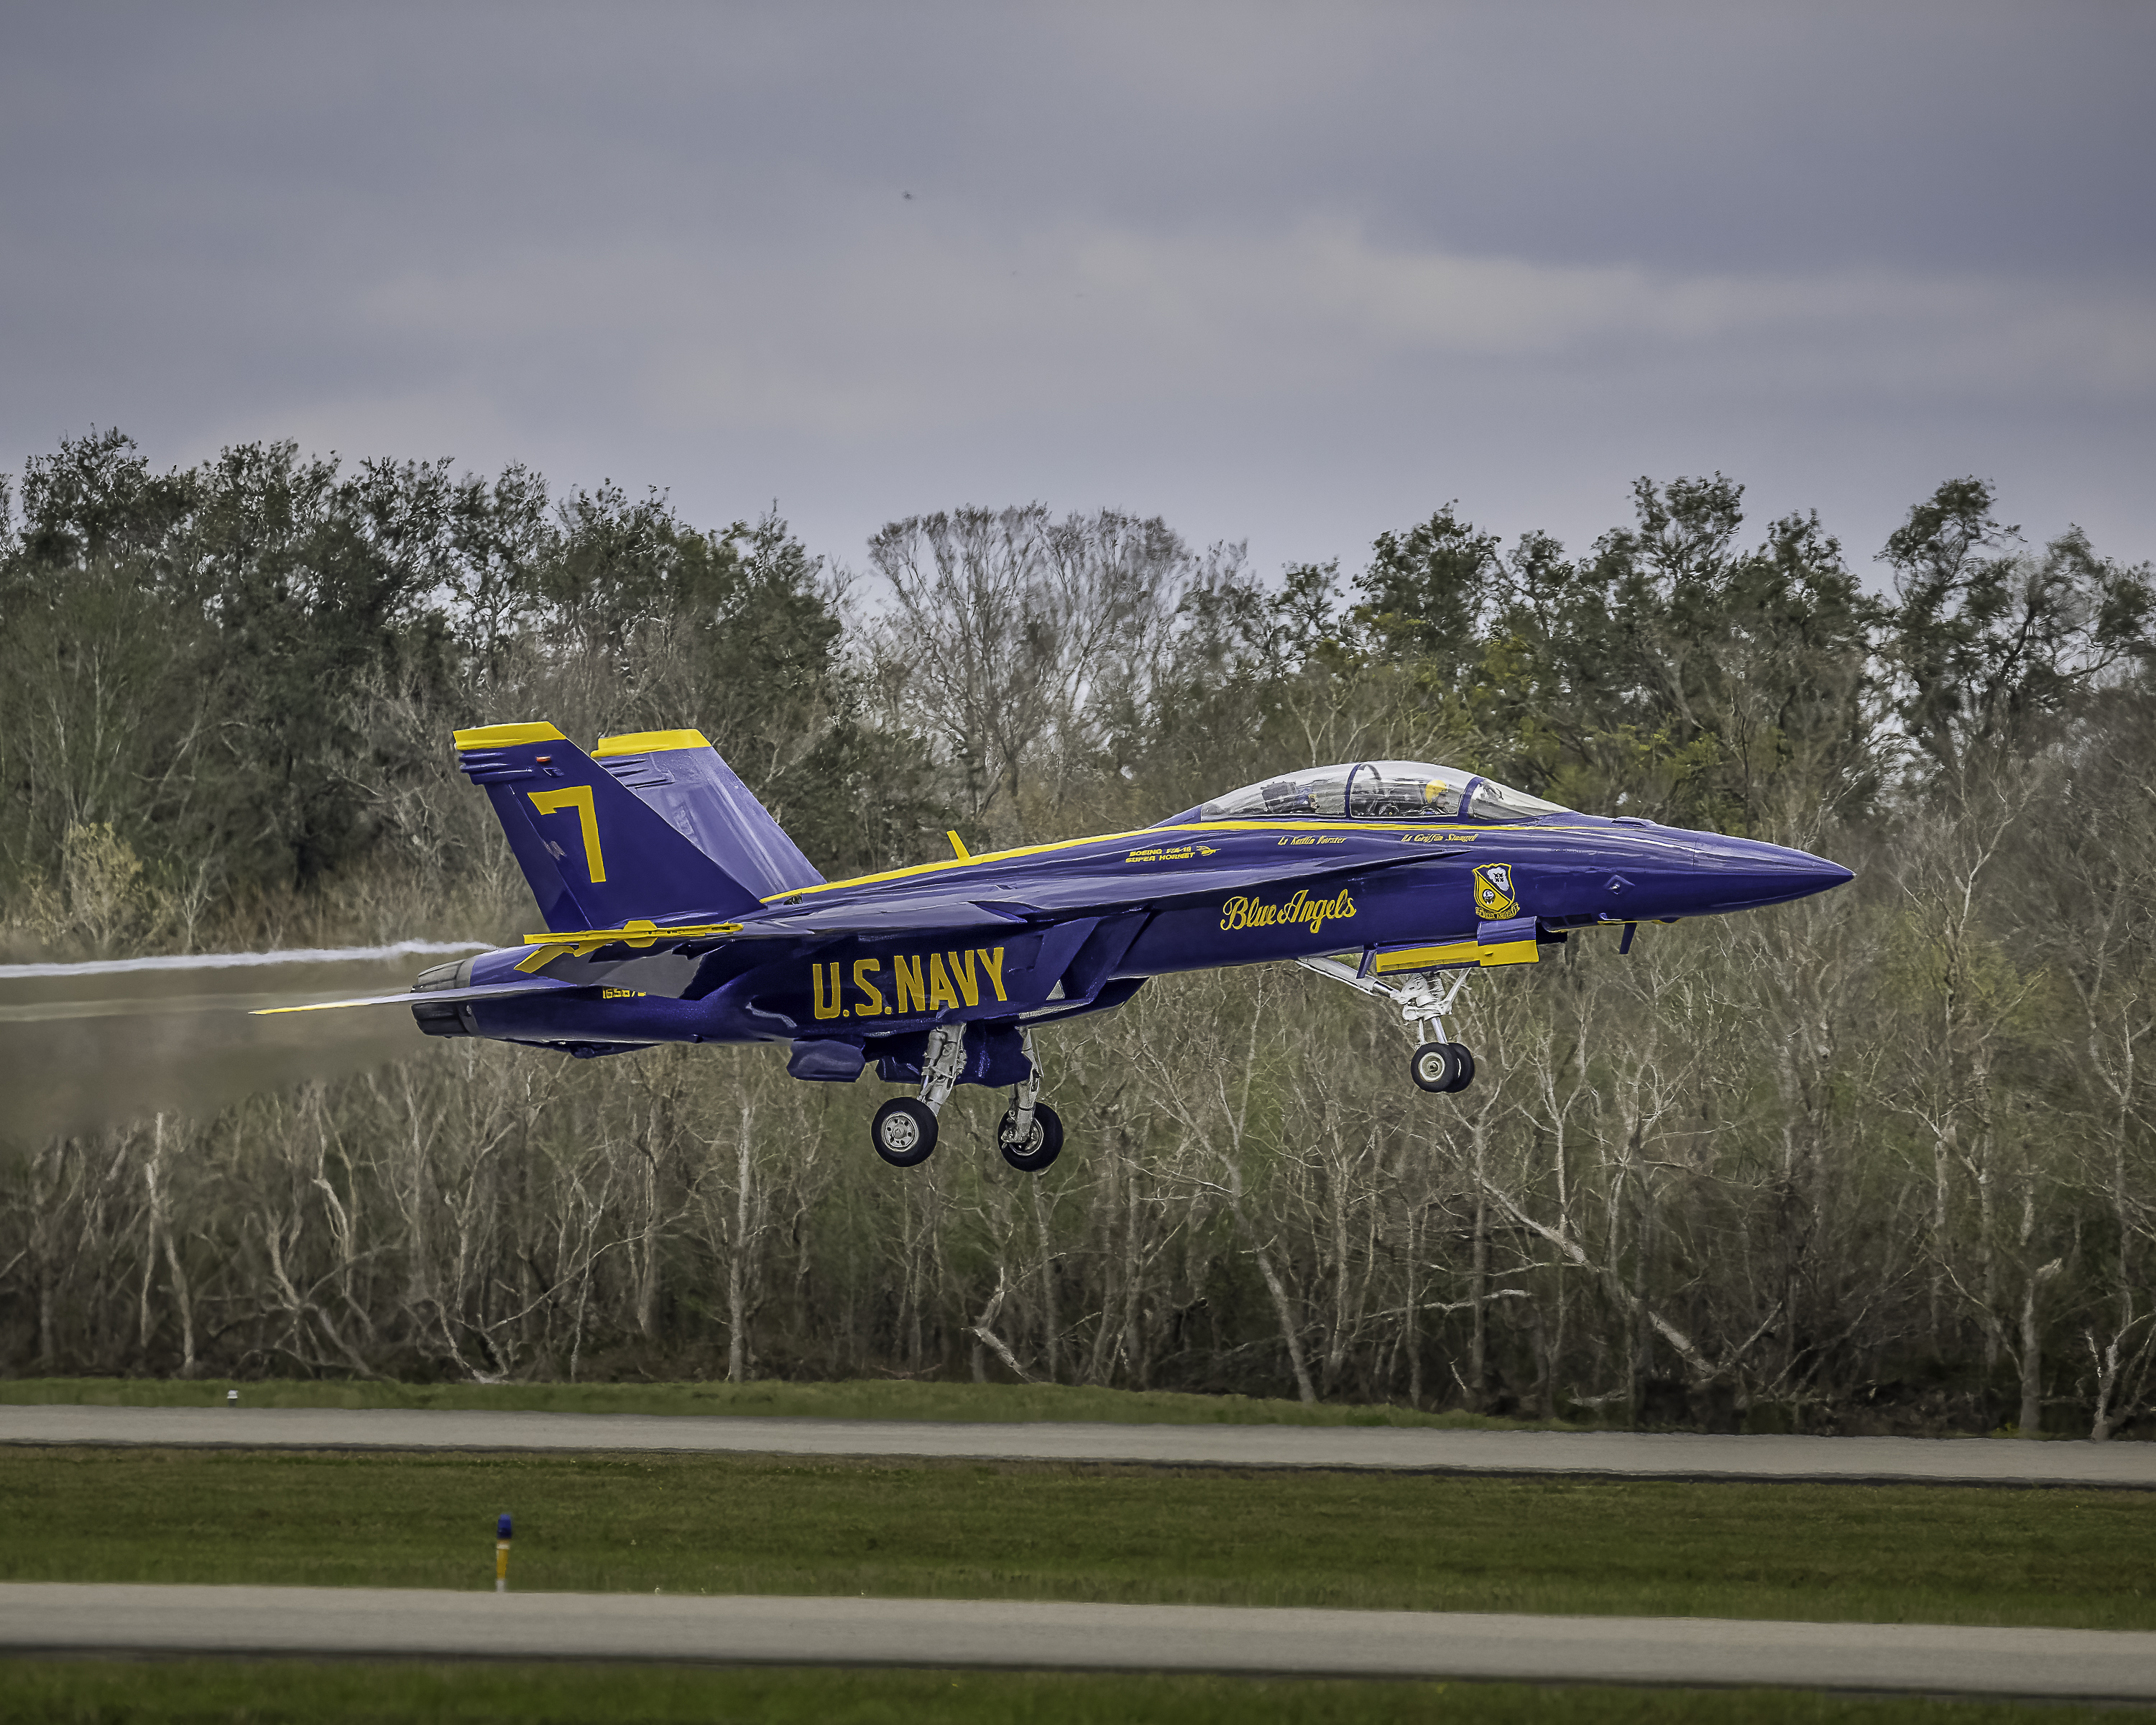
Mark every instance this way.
x=101 y=1042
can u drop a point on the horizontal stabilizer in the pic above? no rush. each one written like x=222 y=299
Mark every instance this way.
x=416 y=997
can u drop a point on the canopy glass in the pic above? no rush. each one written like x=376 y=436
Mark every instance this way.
x=1379 y=790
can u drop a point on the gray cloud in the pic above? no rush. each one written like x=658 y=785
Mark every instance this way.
x=1292 y=274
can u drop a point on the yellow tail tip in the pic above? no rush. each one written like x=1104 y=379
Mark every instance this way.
x=648 y=742
x=501 y=736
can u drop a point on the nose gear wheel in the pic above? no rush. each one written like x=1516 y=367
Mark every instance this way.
x=1443 y=1068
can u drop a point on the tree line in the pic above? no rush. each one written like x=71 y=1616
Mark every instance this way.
x=1877 y=1161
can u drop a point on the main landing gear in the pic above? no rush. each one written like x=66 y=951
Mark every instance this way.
x=1030 y=1136
x=904 y=1130
x=1440 y=1066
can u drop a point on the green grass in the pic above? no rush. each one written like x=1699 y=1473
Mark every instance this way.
x=861 y=1399
x=962 y=1530
x=245 y=1692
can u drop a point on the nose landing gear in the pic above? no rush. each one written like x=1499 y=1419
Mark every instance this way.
x=1441 y=1067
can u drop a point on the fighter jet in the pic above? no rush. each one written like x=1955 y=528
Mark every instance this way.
x=677 y=909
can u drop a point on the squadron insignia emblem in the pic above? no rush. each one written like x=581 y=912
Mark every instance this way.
x=1494 y=901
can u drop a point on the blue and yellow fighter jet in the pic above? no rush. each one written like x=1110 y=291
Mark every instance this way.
x=677 y=909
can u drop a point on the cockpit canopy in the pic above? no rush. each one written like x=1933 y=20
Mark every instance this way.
x=1376 y=790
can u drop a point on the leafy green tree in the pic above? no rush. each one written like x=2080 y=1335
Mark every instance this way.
x=316 y=583
x=1989 y=641
x=501 y=535
x=100 y=722
x=792 y=711
x=1670 y=673
x=1426 y=590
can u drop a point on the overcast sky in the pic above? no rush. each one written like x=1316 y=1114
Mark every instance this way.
x=1290 y=274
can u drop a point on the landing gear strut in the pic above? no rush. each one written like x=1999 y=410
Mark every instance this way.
x=1437 y=1066
x=1030 y=1135
x=904 y=1129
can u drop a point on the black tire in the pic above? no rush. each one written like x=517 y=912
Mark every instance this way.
x=1466 y=1058
x=903 y=1132
x=1436 y=1068
x=1042 y=1145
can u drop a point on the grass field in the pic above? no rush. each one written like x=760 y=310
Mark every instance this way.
x=755 y=1524
x=200 y=1691
x=861 y=1399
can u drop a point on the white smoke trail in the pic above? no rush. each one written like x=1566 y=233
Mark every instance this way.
x=225 y=961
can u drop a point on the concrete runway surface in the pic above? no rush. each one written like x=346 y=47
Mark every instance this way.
x=66 y=1617
x=1623 y=1455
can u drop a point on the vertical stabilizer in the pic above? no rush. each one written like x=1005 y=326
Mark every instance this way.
x=595 y=856
x=682 y=776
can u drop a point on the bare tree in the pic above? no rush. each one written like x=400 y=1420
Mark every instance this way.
x=1015 y=639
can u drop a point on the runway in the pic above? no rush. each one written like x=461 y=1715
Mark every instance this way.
x=368 y=1622
x=1611 y=1454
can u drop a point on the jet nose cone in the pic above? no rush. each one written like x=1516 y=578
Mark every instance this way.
x=1775 y=874
x=1825 y=874
x=1815 y=873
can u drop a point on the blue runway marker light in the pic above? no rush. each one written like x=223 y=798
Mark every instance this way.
x=502 y=1555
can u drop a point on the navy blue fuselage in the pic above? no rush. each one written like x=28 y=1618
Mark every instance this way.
x=853 y=971
x=678 y=909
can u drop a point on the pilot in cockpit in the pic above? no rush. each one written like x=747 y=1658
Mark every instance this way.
x=1376 y=790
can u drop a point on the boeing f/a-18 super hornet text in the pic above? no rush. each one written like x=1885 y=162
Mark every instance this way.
x=677 y=909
